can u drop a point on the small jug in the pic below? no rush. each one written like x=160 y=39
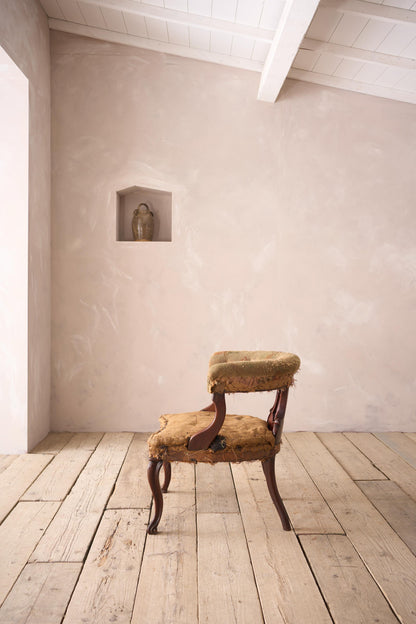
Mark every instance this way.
x=142 y=223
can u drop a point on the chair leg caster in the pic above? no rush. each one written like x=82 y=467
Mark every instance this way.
x=153 y=471
x=268 y=469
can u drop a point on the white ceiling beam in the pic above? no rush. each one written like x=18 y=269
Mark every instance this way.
x=293 y=24
x=152 y=44
x=186 y=19
x=356 y=54
x=371 y=10
x=353 y=85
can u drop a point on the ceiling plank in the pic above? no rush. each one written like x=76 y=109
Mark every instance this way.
x=356 y=54
x=353 y=85
x=372 y=35
x=152 y=44
x=370 y=10
x=187 y=19
x=113 y=19
x=179 y=34
x=398 y=39
x=91 y=14
x=249 y=12
x=200 y=7
x=52 y=8
x=71 y=11
x=293 y=24
x=348 y=29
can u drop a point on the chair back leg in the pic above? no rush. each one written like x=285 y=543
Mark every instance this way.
x=168 y=474
x=268 y=469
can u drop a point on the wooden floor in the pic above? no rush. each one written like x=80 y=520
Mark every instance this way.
x=73 y=546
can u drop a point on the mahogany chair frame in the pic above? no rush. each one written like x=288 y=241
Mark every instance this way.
x=203 y=439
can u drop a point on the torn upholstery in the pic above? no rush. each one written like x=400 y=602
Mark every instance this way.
x=251 y=371
x=242 y=438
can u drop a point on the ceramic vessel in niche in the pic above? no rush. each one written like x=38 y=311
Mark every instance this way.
x=142 y=223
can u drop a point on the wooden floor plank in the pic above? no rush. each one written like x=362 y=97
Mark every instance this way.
x=305 y=505
x=106 y=589
x=411 y=435
x=349 y=589
x=226 y=586
x=401 y=444
x=57 y=479
x=132 y=488
x=396 y=468
x=85 y=441
x=53 y=443
x=167 y=590
x=59 y=476
x=6 y=460
x=398 y=508
x=41 y=594
x=287 y=589
x=19 y=534
x=357 y=465
x=215 y=491
x=70 y=533
x=376 y=515
x=390 y=562
x=17 y=477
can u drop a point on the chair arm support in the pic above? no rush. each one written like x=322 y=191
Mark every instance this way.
x=277 y=414
x=201 y=440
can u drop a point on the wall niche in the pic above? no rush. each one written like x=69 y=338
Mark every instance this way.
x=159 y=202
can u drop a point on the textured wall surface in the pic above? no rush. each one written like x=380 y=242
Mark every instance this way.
x=293 y=229
x=24 y=35
x=14 y=246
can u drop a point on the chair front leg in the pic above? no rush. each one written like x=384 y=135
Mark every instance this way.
x=268 y=469
x=153 y=471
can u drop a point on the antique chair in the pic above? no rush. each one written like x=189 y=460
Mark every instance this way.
x=198 y=437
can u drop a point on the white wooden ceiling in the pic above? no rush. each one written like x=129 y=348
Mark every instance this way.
x=359 y=45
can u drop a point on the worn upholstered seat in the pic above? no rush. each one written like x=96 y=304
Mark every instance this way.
x=242 y=438
x=203 y=436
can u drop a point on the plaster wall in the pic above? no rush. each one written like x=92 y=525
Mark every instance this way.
x=292 y=229
x=24 y=35
x=14 y=151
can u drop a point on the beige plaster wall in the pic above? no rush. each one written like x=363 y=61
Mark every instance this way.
x=14 y=208
x=293 y=229
x=24 y=35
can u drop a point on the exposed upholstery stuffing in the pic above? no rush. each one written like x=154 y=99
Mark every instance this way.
x=251 y=371
x=245 y=438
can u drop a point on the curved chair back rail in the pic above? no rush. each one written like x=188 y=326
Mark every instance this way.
x=251 y=371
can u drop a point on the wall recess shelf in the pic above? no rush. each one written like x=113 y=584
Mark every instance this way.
x=159 y=202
